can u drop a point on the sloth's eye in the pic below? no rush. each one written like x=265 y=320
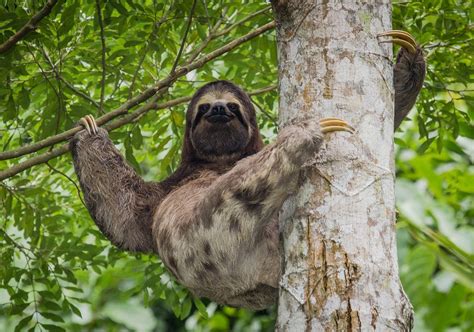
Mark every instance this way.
x=233 y=107
x=204 y=107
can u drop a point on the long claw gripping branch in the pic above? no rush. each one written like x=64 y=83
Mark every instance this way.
x=334 y=124
x=399 y=37
x=93 y=124
x=85 y=124
x=89 y=124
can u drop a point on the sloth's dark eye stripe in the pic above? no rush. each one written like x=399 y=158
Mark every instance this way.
x=202 y=109
x=234 y=108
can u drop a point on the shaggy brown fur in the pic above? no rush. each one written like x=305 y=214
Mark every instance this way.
x=213 y=221
x=408 y=76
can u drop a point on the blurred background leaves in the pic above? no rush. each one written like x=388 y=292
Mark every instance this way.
x=57 y=272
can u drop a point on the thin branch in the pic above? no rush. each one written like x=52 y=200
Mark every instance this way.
x=78 y=92
x=155 y=29
x=60 y=93
x=210 y=36
x=207 y=13
x=70 y=180
x=66 y=83
x=102 y=40
x=43 y=72
x=183 y=41
x=242 y=21
x=264 y=112
x=31 y=25
x=152 y=105
x=123 y=109
x=214 y=33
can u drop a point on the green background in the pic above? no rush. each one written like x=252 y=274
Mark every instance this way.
x=57 y=272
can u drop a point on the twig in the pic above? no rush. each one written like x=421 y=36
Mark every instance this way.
x=242 y=21
x=207 y=13
x=78 y=92
x=123 y=109
x=262 y=110
x=102 y=40
x=70 y=180
x=43 y=73
x=155 y=29
x=210 y=36
x=31 y=25
x=60 y=93
x=42 y=158
x=183 y=41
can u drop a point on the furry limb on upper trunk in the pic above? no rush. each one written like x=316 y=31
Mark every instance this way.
x=408 y=77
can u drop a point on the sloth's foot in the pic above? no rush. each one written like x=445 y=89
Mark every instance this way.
x=410 y=62
x=89 y=124
x=408 y=72
x=334 y=124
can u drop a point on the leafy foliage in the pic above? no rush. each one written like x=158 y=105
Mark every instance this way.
x=57 y=272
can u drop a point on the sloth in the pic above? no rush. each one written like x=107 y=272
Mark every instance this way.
x=213 y=221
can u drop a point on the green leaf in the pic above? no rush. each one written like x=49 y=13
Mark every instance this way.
x=52 y=316
x=425 y=145
x=201 y=307
x=22 y=323
x=186 y=308
x=53 y=328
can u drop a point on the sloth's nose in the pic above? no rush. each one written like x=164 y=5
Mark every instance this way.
x=218 y=109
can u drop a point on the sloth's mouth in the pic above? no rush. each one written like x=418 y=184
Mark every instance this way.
x=219 y=118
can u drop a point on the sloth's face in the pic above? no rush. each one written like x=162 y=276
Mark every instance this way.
x=219 y=125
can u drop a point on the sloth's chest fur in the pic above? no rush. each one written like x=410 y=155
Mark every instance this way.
x=205 y=241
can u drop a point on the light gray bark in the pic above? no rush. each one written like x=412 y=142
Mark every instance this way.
x=340 y=268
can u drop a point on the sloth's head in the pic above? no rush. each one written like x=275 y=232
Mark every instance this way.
x=220 y=124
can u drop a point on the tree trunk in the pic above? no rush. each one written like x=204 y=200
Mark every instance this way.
x=340 y=269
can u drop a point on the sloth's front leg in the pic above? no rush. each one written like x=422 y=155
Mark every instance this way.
x=408 y=72
x=257 y=186
x=119 y=201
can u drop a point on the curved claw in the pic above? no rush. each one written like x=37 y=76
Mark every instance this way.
x=89 y=124
x=399 y=37
x=334 y=124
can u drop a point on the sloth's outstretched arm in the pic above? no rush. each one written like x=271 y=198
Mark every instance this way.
x=408 y=73
x=119 y=201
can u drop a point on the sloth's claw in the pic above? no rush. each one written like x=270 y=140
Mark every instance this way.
x=83 y=122
x=399 y=37
x=334 y=124
x=89 y=124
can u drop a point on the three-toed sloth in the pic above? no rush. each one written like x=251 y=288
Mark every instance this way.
x=213 y=221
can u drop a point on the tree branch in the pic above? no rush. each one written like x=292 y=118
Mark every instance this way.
x=242 y=21
x=31 y=25
x=209 y=37
x=152 y=105
x=183 y=41
x=156 y=27
x=147 y=94
x=70 y=180
x=78 y=92
x=102 y=40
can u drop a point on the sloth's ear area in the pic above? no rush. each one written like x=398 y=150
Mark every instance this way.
x=334 y=124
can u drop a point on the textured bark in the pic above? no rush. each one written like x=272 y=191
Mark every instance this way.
x=340 y=268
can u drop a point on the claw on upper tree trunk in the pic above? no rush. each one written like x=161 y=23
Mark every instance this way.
x=399 y=37
x=334 y=124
